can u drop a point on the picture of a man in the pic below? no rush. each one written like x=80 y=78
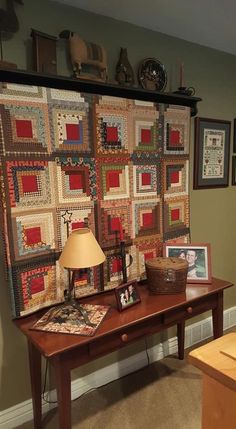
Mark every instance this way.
x=191 y=258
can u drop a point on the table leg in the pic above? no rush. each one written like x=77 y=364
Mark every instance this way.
x=180 y=336
x=36 y=388
x=217 y=316
x=63 y=386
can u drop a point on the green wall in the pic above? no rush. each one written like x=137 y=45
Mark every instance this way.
x=211 y=72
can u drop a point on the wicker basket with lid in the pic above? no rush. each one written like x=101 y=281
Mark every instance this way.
x=166 y=275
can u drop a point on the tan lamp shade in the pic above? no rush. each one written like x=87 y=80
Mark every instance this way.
x=81 y=250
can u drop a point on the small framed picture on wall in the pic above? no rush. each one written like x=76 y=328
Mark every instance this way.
x=211 y=153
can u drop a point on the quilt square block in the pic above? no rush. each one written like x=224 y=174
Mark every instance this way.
x=70 y=128
x=76 y=181
x=111 y=217
x=74 y=217
x=146 y=217
x=176 y=217
x=113 y=267
x=24 y=128
x=176 y=131
x=113 y=181
x=111 y=131
x=30 y=184
x=145 y=135
x=145 y=181
x=144 y=127
x=33 y=234
x=175 y=177
x=35 y=286
x=147 y=248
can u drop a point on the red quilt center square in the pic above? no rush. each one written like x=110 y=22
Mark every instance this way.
x=174 y=177
x=146 y=179
x=146 y=136
x=72 y=132
x=112 y=134
x=37 y=284
x=77 y=225
x=115 y=224
x=113 y=179
x=116 y=266
x=24 y=128
x=33 y=235
x=175 y=138
x=175 y=214
x=29 y=183
x=75 y=181
x=147 y=219
x=148 y=255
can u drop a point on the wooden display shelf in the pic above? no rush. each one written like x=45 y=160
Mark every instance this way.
x=72 y=84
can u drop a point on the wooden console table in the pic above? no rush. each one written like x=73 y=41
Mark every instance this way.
x=154 y=314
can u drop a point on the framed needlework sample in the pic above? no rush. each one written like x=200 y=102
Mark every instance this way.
x=198 y=257
x=211 y=154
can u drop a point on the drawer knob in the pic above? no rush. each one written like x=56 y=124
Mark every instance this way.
x=189 y=310
x=124 y=338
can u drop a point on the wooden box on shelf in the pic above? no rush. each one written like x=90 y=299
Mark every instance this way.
x=44 y=52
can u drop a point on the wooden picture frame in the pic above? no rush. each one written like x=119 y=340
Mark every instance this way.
x=211 y=153
x=127 y=295
x=234 y=138
x=198 y=257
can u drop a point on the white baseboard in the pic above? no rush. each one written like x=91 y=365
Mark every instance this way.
x=194 y=333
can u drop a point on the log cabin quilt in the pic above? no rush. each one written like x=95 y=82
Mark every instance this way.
x=67 y=158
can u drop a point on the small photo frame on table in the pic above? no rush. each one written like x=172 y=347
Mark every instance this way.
x=127 y=295
x=211 y=153
x=198 y=257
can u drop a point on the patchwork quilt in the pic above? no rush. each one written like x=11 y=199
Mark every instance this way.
x=68 y=159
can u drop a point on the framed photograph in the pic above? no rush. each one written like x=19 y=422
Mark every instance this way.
x=198 y=257
x=233 y=170
x=127 y=295
x=211 y=153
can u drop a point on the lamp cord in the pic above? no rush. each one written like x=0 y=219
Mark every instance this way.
x=45 y=398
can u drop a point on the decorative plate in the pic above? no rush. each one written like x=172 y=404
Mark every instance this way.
x=152 y=75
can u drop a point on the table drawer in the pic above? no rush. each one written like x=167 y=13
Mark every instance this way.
x=125 y=336
x=190 y=310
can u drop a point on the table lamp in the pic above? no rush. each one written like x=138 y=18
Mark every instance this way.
x=81 y=250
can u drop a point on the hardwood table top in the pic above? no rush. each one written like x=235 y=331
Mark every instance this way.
x=217 y=359
x=51 y=344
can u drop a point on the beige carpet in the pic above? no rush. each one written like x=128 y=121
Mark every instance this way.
x=164 y=395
